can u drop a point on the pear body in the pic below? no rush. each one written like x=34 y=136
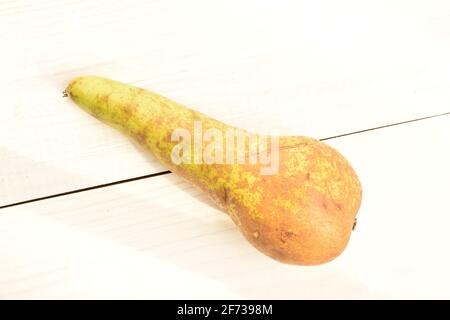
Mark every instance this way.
x=303 y=214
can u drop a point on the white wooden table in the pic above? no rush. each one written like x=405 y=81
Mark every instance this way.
x=318 y=68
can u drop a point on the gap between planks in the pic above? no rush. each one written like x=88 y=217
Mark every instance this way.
x=167 y=171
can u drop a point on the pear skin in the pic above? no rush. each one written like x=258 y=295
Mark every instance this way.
x=302 y=215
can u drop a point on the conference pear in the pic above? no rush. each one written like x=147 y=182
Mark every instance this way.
x=301 y=214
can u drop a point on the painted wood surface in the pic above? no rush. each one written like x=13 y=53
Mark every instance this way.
x=297 y=67
x=161 y=238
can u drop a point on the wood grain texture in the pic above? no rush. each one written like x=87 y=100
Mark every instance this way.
x=318 y=69
x=160 y=238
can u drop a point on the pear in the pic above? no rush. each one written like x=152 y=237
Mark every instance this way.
x=303 y=214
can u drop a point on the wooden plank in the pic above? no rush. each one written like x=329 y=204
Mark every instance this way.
x=160 y=238
x=315 y=69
